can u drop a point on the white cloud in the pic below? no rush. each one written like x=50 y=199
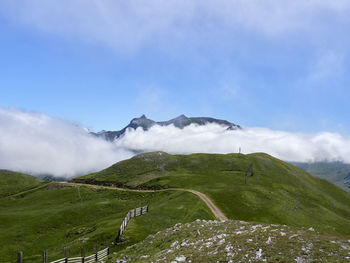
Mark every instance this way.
x=214 y=138
x=135 y=23
x=38 y=144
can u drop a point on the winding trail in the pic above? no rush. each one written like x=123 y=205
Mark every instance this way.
x=213 y=208
x=216 y=210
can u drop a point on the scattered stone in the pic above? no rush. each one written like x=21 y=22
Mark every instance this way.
x=181 y=258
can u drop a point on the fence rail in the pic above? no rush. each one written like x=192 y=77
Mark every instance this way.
x=98 y=255
x=131 y=214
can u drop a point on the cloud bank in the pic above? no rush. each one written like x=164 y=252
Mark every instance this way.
x=136 y=23
x=38 y=144
x=213 y=138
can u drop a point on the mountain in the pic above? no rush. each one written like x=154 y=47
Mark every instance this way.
x=334 y=172
x=253 y=187
x=179 y=122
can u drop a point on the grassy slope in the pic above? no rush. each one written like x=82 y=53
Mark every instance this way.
x=12 y=182
x=277 y=193
x=52 y=218
x=334 y=172
x=237 y=241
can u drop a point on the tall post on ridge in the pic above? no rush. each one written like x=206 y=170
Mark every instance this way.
x=246 y=173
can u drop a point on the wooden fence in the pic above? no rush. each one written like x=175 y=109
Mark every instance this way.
x=131 y=214
x=98 y=255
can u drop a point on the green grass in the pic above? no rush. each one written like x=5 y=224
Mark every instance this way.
x=334 y=172
x=12 y=182
x=277 y=193
x=54 y=217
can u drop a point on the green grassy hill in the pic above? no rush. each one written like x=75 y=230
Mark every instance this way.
x=334 y=172
x=277 y=192
x=12 y=182
x=56 y=215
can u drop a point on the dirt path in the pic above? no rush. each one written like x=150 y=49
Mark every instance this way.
x=215 y=210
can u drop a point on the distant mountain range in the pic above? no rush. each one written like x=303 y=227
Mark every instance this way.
x=179 y=122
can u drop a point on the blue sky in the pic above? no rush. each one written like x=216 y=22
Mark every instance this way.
x=276 y=64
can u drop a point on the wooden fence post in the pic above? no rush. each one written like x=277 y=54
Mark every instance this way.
x=147 y=208
x=45 y=256
x=65 y=254
x=141 y=210
x=96 y=250
x=20 y=257
x=82 y=255
x=118 y=238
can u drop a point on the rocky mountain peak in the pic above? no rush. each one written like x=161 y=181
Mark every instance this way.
x=180 y=122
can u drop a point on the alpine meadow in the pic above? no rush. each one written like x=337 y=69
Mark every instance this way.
x=177 y=131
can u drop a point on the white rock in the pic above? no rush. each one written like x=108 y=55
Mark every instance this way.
x=174 y=244
x=269 y=240
x=208 y=244
x=181 y=258
x=222 y=241
x=258 y=254
x=228 y=248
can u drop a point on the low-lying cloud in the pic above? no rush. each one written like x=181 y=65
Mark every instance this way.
x=213 y=138
x=38 y=144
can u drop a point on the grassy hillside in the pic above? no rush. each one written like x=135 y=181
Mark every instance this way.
x=237 y=241
x=55 y=216
x=277 y=192
x=12 y=183
x=334 y=172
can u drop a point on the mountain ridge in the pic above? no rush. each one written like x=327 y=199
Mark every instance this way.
x=180 y=122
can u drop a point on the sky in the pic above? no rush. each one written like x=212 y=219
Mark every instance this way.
x=274 y=64
x=279 y=69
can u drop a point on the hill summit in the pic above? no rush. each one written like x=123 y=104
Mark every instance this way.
x=253 y=187
x=179 y=122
